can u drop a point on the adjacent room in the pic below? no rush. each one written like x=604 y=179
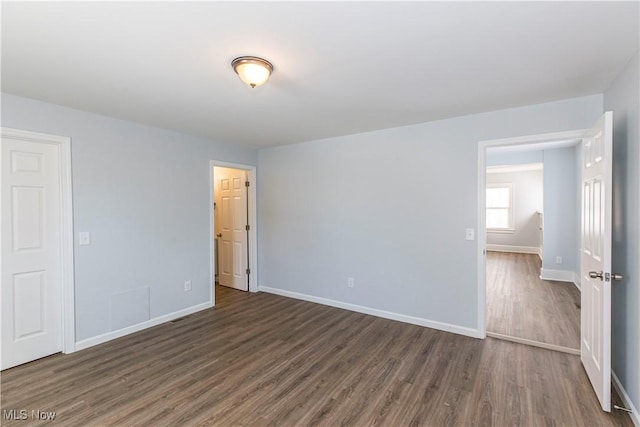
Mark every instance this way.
x=320 y=213
x=533 y=229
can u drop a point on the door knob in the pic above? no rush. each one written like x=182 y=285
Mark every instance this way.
x=616 y=276
x=595 y=275
x=219 y=235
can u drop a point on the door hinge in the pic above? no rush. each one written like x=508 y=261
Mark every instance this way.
x=248 y=271
x=247 y=227
x=246 y=183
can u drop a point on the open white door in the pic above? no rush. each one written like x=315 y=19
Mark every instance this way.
x=231 y=231
x=595 y=347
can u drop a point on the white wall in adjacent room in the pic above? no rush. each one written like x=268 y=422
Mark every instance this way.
x=527 y=202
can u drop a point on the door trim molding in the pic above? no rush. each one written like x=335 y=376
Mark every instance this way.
x=481 y=225
x=253 y=221
x=66 y=227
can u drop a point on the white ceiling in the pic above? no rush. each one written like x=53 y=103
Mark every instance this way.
x=340 y=67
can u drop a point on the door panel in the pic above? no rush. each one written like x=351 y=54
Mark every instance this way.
x=31 y=251
x=27 y=217
x=29 y=303
x=226 y=262
x=238 y=258
x=596 y=258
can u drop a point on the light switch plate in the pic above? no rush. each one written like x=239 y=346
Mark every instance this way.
x=84 y=238
x=470 y=234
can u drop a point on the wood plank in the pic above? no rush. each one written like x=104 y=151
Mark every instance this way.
x=521 y=305
x=266 y=360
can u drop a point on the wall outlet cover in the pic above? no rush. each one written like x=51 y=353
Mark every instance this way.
x=84 y=238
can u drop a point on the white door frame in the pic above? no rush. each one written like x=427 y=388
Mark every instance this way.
x=66 y=227
x=253 y=231
x=482 y=232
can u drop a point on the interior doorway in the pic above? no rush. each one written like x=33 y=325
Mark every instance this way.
x=233 y=230
x=531 y=235
x=231 y=219
x=593 y=273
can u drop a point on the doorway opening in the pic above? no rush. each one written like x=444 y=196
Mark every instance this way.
x=530 y=232
x=233 y=228
x=593 y=272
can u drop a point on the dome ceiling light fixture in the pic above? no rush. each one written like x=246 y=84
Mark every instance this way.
x=252 y=70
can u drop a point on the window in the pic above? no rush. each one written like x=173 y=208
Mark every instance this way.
x=499 y=207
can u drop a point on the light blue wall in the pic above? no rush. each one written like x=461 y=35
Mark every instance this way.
x=143 y=194
x=622 y=98
x=390 y=209
x=560 y=212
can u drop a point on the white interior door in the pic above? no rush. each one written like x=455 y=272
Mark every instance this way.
x=595 y=347
x=31 y=251
x=231 y=232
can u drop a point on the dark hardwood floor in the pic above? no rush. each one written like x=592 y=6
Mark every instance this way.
x=522 y=305
x=261 y=359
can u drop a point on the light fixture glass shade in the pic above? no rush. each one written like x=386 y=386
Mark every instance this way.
x=252 y=70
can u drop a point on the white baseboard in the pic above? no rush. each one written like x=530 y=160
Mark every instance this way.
x=461 y=330
x=626 y=400
x=90 y=342
x=558 y=275
x=515 y=249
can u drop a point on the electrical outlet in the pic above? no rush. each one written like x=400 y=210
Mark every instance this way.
x=558 y=260
x=351 y=282
x=84 y=238
x=187 y=285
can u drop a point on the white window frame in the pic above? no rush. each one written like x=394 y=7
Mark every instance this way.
x=511 y=227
